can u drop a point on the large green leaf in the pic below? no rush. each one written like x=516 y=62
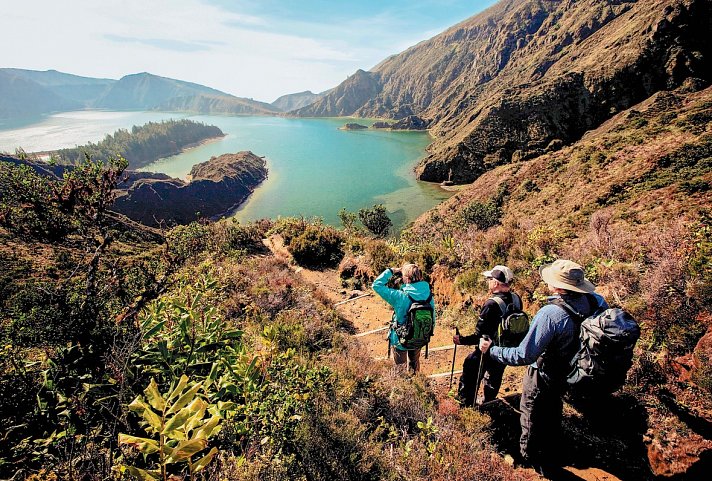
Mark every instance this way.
x=176 y=422
x=182 y=383
x=185 y=398
x=186 y=449
x=150 y=333
x=141 y=408
x=200 y=464
x=153 y=395
x=142 y=475
x=144 y=445
x=207 y=429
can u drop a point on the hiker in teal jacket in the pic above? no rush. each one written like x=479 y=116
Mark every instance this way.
x=414 y=286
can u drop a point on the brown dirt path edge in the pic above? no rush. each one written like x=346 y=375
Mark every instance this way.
x=371 y=312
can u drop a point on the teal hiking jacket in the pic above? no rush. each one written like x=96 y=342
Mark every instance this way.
x=398 y=299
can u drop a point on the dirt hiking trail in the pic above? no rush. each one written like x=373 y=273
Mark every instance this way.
x=368 y=313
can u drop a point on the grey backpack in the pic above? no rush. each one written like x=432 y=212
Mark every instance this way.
x=605 y=355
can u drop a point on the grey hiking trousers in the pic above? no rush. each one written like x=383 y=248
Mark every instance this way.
x=542 y=409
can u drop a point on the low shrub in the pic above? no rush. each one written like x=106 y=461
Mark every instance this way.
x=188 y=241
x=379 y=256
x=317 y=247
x=482 y=215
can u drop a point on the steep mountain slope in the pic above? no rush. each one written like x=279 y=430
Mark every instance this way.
x=288 y=102
x=22 y=97
x=147 y=91
x=524 y=76
x=645 y=166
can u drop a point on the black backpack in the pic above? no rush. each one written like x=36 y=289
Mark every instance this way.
x=514 y=324
x=419 y=325
x=607 y=337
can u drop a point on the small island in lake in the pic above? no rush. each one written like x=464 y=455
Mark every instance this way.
x=353 y=126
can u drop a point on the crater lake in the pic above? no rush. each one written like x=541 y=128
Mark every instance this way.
x=315 y=169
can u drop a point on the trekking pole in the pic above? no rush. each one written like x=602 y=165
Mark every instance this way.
x=480 y=369
x=388 y=354
x=454 y=353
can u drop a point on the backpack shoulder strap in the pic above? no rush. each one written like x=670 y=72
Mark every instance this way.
x=516 y=301
x=568 y=309
x=500 y=302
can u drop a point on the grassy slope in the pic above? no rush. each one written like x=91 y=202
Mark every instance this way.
x=630 y=201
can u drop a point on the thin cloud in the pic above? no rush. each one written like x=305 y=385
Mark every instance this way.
x=162 y=43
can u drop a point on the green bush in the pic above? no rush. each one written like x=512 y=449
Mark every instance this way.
x=376 y=220
x=379 y=256
x=482 y=215
x=317 y=247
x=187 y=241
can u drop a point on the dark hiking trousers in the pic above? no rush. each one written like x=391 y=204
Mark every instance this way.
x=542 y=407
x=493 y=372
x=412 y=357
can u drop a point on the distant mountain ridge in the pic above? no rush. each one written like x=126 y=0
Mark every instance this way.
x=527 y=76
x=295 y=101
x=30 y=92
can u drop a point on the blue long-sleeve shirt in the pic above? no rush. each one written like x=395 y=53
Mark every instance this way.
x=553 y=334
x=398 y=299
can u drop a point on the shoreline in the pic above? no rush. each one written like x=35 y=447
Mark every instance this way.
x=44 y=155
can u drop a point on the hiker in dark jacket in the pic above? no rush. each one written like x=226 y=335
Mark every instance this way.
x=498 y=281
x=413 y=287
x=549 y=346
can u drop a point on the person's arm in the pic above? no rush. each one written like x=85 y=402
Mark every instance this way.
x=379 y=286
x=533 y=345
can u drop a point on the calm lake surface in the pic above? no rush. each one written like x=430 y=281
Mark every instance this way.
x=315 y=169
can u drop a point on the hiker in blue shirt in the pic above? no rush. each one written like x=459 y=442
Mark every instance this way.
x=413 y=287
x=549 y=346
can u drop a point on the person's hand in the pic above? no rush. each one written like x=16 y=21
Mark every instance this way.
x=485 y=343
x=456 y=339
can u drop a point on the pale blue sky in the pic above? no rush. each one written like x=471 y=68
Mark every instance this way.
x=257 y=49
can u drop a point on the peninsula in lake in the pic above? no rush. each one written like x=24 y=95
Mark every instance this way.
x=144 y=144
x=216 y=188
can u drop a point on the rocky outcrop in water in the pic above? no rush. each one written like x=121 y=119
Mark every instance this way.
x=525 y=73
x=353 y=126
x=217 y=187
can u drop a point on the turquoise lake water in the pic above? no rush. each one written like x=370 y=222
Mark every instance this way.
x=315 y=169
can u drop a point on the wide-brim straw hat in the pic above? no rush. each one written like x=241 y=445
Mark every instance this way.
x=566 y=275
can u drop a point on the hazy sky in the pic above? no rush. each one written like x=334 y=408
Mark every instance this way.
x=258 y=49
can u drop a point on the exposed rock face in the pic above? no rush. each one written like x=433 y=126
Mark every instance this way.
x=411 y=122
x=346 y=98
x=295 y=101
x=526 y=72
x=216 y=187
